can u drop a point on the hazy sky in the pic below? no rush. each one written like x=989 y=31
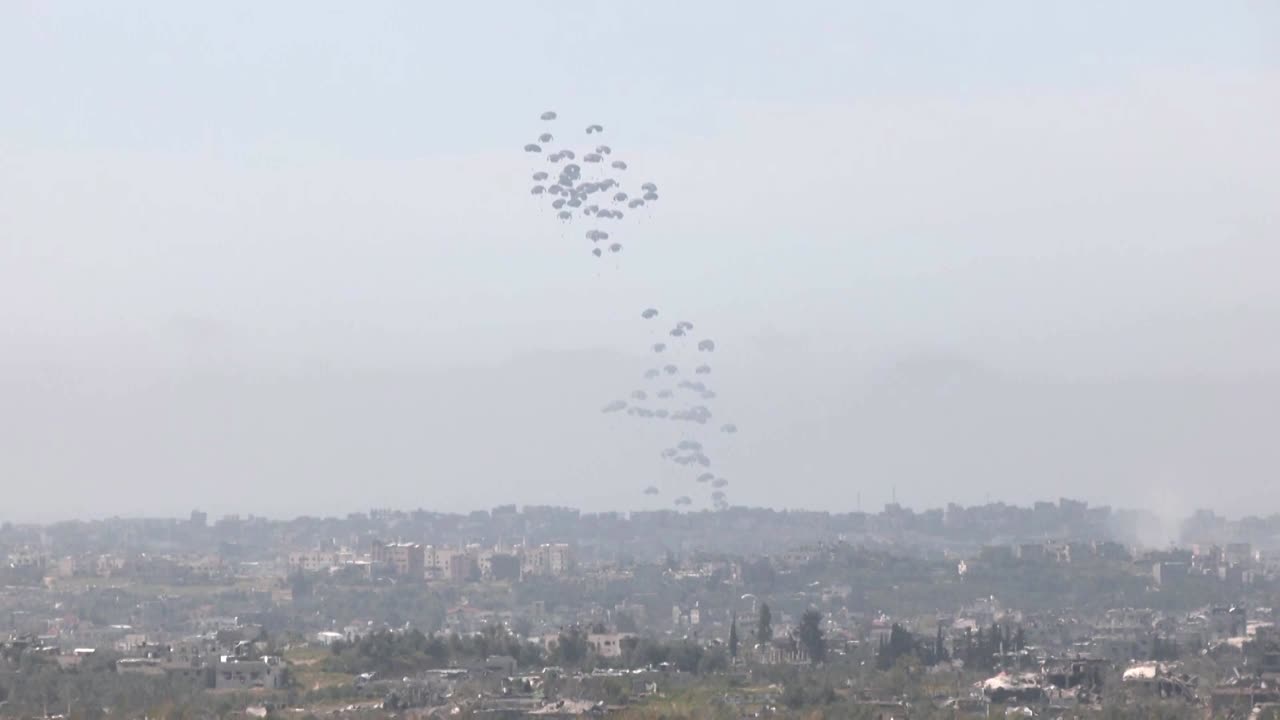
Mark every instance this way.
x=281 y=257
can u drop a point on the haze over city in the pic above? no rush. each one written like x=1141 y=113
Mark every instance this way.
x=282 y=259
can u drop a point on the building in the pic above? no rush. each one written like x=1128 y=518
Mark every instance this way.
x=1169 y=573
x=446 y=563
x=548 y=559
x=1238 y=554
x=608 y=645
x=402 y=559
x=503 y=665
x=194 y=674
x=464 y=568
x=1227 y=622
x=312 y=561
x=233 y=674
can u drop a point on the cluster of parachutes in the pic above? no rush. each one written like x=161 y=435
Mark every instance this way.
x=675 y=390
x=593 y=191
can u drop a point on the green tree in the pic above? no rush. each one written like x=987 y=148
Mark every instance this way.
x=811 y=636
x=571 y=647
x=733 y=637
x=764 y=624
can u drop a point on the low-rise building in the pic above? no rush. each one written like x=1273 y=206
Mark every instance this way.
x=312 y=561
x=608 y=645
x=236 y=674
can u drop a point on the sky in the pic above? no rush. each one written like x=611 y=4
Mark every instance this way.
x=280 y=258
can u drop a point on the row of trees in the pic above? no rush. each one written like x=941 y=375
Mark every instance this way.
x=392 y=653
x=387 y=652
x=33 y=685
x=809 y=635
x=979 y=651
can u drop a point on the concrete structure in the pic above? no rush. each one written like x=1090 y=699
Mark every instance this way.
x=1169 y=573
x=312 y=561
x=448 y=563
x=548 y=559
x=608 y=645
x=403 y=559
x=233 y=674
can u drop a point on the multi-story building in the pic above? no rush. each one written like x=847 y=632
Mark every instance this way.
x=440 y=560
x=609 y=645
x=312 y=561
x=548 y=559
x=232 y=673
x=403 y=559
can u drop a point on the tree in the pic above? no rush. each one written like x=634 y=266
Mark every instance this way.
x=764 y=624
x=733 y=638
x=571 y=647
x=811 y=636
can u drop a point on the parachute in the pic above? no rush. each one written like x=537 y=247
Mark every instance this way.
x=573 y=187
